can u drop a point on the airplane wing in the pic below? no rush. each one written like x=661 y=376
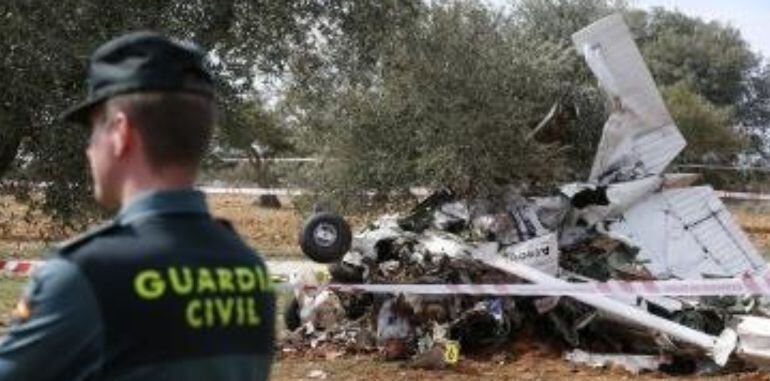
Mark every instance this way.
x=688 y=233
x=639 y=138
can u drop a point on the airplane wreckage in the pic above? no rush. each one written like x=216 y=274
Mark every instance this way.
x=468 y=274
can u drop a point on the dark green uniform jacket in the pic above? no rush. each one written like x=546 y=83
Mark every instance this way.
x=163 y=292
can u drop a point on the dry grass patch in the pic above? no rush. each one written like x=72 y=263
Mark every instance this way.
x=755 y=221
x=25 y=234
x=19 y=223
x=272 y=231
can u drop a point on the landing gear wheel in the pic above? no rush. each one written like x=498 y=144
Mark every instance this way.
x=325 y=238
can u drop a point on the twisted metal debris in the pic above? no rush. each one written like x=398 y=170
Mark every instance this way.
x=629 y=221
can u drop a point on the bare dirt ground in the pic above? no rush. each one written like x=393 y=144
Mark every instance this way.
x=756 y=223
x=274 y=232
x=24 y=234
x=520 y=363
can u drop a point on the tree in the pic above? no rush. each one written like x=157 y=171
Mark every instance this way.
x=723 y=77
x=396 y=92
x=715 y=62
x=452 y=101
x=711 y=57
x=45 y=45
x=10 y=139
x=583 y=106
x=709 y=130
x=754 y=111
x=557 y=20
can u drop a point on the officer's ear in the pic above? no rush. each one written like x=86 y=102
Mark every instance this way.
x=123 y=134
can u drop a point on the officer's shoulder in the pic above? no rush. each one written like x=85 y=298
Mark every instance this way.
x=70 y=246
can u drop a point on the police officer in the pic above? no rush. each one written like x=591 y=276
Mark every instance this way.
x=163 y=291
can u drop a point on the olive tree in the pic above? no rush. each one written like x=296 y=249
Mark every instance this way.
x=45 y=46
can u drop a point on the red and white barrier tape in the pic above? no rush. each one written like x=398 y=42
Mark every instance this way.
x=756 y=285
x=420 y=192
x=18 y=268
x=253 y=191
x=744 y=285
x=743 y=196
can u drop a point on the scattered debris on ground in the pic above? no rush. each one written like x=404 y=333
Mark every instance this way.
x=629 y=222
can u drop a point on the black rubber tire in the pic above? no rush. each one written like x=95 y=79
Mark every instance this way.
x=291 y=315
x=338 y=242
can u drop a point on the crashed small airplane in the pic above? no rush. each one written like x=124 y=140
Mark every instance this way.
x=629 y=221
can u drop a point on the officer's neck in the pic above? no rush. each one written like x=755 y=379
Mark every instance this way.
x=166 y=178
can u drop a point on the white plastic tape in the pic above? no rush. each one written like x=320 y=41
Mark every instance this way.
x=746 y=285
x=18 y=268
x=743 y=196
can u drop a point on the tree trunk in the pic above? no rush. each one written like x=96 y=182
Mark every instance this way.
x=9 y=146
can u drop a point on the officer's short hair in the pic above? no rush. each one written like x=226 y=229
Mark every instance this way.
x=175 y=127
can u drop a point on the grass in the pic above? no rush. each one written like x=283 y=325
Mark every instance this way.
x=23 y=250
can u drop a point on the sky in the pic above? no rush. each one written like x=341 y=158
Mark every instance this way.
x=751 y=17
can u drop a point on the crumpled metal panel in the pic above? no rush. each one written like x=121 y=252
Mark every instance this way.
x=688 y=233
x=633 y=363
x=754 y=332
x=639 y=138
x=541 y=253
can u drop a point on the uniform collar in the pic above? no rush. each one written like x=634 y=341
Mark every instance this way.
x=155 y=203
